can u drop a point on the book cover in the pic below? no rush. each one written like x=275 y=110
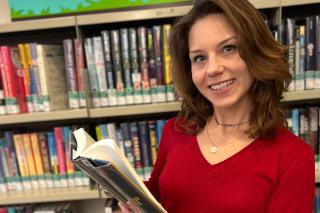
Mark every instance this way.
x=80 y=71
x=104 y=162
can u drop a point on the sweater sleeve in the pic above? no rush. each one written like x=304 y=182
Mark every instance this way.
x=153 y=182
x=295 y=189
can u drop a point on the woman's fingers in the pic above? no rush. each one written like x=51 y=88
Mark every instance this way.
x=134 y=208
x=124 y=207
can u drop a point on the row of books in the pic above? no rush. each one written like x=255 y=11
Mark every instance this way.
x=130 y=66
x=38 y=160
x=57 y=207
x=139 y=141
x=302 y=36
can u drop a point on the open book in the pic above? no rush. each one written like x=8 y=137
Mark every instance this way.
x=106 y=164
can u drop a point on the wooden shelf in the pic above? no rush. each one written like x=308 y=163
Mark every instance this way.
x=39 y=24
x=135 y=110
x=44 y=116
x=302 y=95
x=48 y=195
x=317 y=176
x=285 y=3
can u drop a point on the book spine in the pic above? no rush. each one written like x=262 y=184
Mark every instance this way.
x=13 y=159
x=71 y=74
x=302 y=53
x=116 y=58
x=22 y=161
x=26 y=77
x=10 y=179
x=168 y=69
x=313 y=128
x=93 y=77
x=67 y=134
x=2 y=97
x=101 y=71
x=144 y=69
x=120 y=140
x=145 y=148
x=153 y=140
x=11 y=101
x=3 y=166
x=128 y=147
x=43 y=80
x=290 y=43
x=134 y=132
x=53 y=159
x=136 y=74
x=16 y=68
x=46 y=159
x=161 y=89
x=3 y=88
x=111 y=129
x=58 y=135
x=152 y=66
x=80 y=71
x=33 y=93
x=37 y=78
x=38 y=159
x=310 y=52
x=112 y=94
x=31 y=161
x=126 y=66
x=99 y=134
x=159 y=127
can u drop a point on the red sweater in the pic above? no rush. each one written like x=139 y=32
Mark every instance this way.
x=266 y=176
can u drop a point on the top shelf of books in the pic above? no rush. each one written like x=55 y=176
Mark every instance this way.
x=123 y=16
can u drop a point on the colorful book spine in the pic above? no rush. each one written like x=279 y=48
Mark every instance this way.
x=128 y=147
x=7 y=74
x=93 y=77
x=310 y=55
x=2 y=98
x=112 y=93
x=302 y=53
x=290 y=44
x=145 y=81
x=22 y=161
x=71 y=73
x=3 y=165
x=101 y=71
x=26 y=77
x=38 y=159
x=80 y=71
x=31 y=161
x=136 y=74
x=168 y=69
x=159 y=126
x=46 y=159
x=58 y=135
x=53 y=159
x=134 y=132
x=126 y=66
x=117 y=66
x=99 y=133
x=153 y=140
x=37 y=98
x=67 y=134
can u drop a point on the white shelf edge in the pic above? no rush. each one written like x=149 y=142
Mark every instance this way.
x=133 y=15
x=262 y=4
x=135 y=109
x=286 y=3
x=43 y=116
x=48 y=195
x=301 y=95
x=38 y=24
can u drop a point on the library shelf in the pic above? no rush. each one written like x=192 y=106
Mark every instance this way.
x=302 y=95
x=38 y=24
x=44 y=116
x=286 y=3
x=48 y=195
x=135 y=109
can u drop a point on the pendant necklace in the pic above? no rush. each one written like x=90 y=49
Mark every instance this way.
x=215 y=148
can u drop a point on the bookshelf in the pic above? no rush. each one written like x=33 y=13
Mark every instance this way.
x=49 y=195
x=79 y=21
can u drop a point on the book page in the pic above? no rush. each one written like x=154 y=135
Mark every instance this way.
x=84 y=140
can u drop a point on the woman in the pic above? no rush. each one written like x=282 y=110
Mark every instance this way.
x=229 y=150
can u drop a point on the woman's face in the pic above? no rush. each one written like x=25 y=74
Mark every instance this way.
x=218 y=71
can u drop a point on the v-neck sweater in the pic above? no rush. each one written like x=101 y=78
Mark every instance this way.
x=266 y=176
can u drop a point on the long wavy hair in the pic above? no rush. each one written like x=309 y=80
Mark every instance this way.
x=265 y=59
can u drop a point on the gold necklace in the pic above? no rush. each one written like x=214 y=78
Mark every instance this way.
x=214 y=148
x=230 y=125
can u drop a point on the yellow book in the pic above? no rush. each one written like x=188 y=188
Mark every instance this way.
x=37 y=153
x=168 y=72
x=29 y=154
x=98 y=133
x=21 y=155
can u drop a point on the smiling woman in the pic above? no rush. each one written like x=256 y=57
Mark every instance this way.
x=229 y=149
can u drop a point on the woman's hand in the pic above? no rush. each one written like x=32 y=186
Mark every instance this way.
x=128 y=207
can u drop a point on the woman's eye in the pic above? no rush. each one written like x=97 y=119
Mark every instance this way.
x=229 y=48
x=198 y=58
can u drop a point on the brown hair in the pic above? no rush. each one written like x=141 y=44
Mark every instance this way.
x=265 y=59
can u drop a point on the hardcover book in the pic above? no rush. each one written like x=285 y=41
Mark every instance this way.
x=105 y=163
